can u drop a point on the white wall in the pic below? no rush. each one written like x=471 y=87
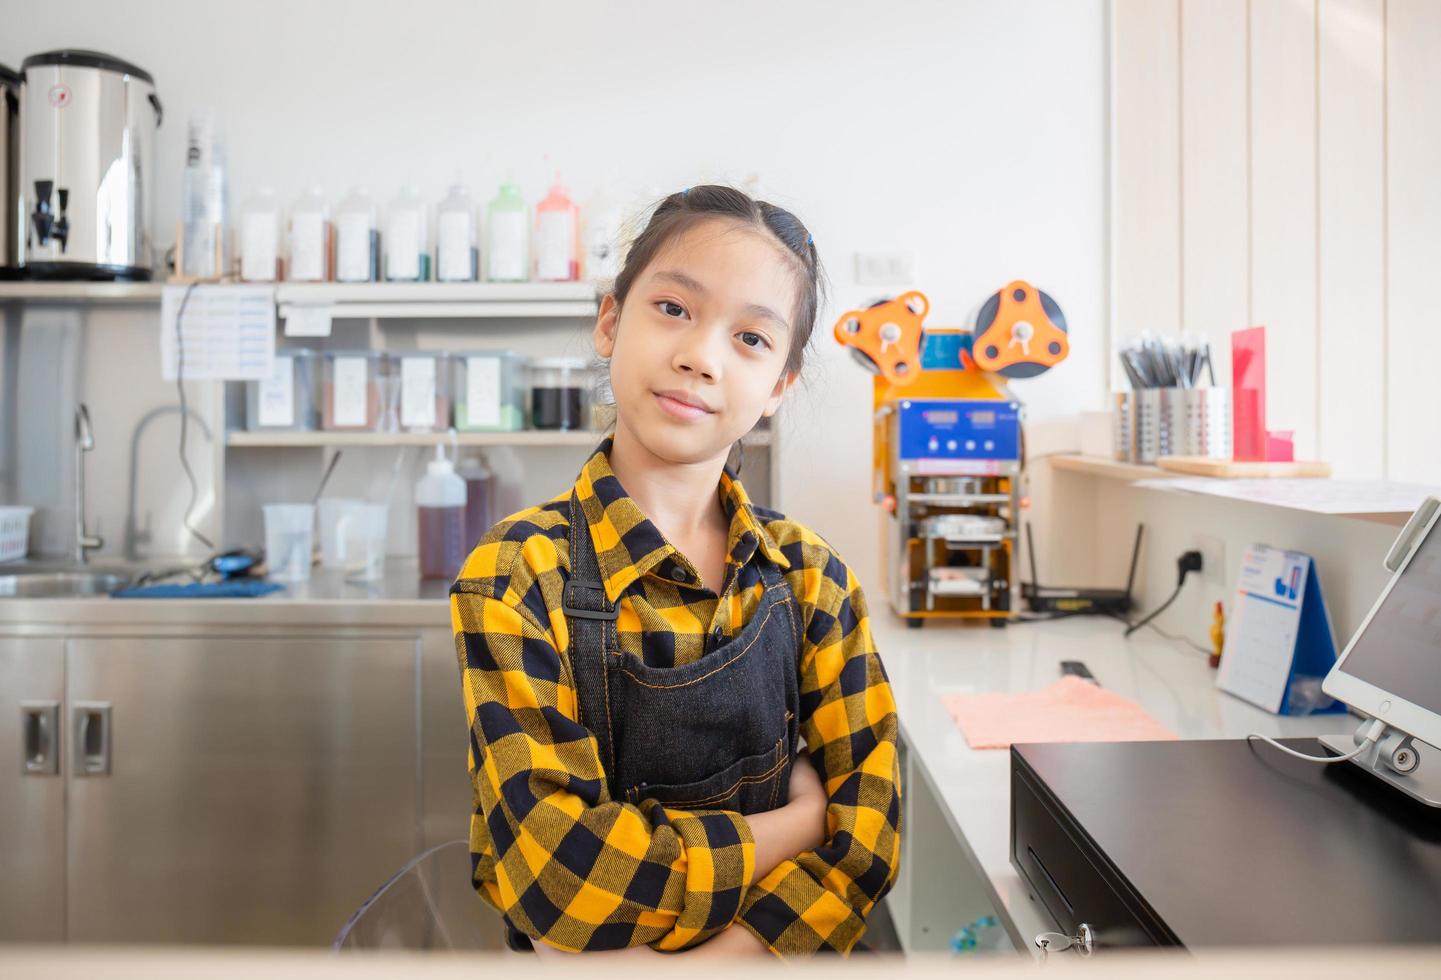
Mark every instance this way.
x=972 y=133
x=1276 y=164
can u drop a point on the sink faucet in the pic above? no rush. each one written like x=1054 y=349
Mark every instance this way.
x=84 y=442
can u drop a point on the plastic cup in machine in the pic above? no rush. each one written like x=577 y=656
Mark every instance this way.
x=289 y=533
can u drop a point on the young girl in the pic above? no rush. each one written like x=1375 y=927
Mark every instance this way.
x=642 y=655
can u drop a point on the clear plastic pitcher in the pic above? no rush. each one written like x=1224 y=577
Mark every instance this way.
x=362 y=532
x=332 y=543
x=289 y=532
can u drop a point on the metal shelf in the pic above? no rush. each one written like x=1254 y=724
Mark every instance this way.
x=82 y=292
x=379 y=300
x=529 y=437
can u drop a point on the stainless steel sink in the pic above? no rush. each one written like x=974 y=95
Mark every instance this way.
x=56 y=585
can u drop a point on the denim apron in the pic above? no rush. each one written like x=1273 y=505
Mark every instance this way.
x=719 y=733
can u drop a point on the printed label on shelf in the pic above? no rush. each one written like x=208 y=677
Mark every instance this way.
x=276 y=396
x=554 y=245
x=352 y=248
x=417 y=392
x=307 y=246
x=452 y=242
x=482 y=391
x=402 y=246
x=259 y=233
x=507 y=246
x=307 y=321
x=350 y=394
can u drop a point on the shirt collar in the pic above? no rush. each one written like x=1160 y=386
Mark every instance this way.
x=628 y=545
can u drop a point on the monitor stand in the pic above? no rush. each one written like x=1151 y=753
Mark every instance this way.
x=1422 y=783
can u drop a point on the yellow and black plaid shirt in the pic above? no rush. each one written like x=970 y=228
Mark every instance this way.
x=551 y=849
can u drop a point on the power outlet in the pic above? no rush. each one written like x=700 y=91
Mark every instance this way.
x=1213 y=558
x=886 y=268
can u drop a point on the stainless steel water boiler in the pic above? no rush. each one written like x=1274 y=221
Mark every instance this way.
x=9 y=172
x=87 y=166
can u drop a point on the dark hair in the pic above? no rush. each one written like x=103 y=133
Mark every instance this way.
x=679 y=212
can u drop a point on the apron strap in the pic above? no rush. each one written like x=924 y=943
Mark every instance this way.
x=588 y=612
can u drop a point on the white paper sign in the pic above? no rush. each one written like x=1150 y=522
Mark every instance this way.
x=226 y=332
x=1265 y=618
x=482 y=392
x=307 y=321
x=350 y=392
x=417 y=392
x=276 y=395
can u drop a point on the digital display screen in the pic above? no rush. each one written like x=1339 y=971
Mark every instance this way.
x=1400 y=650
x=936 y=417
x=983 y=418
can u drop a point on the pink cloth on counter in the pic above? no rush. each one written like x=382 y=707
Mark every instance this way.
x=1070 y=710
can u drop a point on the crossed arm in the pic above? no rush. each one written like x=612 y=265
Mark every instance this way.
x=577 y=870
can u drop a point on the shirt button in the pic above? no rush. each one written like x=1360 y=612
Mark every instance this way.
x=679 y=574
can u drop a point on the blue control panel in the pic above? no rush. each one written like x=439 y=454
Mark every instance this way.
x=959 y=429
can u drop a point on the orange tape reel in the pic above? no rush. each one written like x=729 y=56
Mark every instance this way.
x=1020 y=333
x=886 y=338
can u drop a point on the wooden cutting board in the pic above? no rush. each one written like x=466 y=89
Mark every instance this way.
x=1235 y=469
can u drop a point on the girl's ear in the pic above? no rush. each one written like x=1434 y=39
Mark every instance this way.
x=783 y=384
x=606 y=323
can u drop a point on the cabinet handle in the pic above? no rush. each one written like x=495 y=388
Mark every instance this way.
x=92 y=738
x=39 y=735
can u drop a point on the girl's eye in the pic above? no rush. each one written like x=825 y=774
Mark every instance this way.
x=754 y=340
x=671 y=309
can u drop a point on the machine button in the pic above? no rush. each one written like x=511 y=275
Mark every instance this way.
x=988 y=445
x=951 y=445
x=970 y=445
x=934 y=444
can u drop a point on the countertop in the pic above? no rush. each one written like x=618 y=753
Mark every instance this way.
x=401 y=598
x=1168 y=679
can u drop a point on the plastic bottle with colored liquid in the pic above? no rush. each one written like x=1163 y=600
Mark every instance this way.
x=507 y=228
x=440 y=500
x=557 y=237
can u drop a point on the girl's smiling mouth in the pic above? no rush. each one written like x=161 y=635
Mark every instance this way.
x=682 y=404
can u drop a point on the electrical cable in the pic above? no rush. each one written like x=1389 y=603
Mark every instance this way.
x=185 y=419
x=1132 y=627
x=1373 y=733
x=1170 y=636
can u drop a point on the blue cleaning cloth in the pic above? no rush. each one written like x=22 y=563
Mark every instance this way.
x=233 y=589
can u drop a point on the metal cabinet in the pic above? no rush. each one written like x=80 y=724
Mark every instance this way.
x=32 y=789
x=212 y=788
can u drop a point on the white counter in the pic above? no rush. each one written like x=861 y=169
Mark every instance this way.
x=948 y=879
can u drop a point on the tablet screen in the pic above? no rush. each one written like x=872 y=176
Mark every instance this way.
x=1400 y=650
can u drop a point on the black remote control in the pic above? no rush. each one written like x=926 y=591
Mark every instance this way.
x=1079 y=670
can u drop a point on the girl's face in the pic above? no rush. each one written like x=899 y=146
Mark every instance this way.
x=698 y=353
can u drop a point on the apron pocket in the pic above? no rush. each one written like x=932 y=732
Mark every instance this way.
x=754 y=784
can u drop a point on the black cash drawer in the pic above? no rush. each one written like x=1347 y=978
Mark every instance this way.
x=1212 y=844
x=1069 y=874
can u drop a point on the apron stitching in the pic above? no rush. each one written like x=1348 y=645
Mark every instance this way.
x=666 y=687
x=605 y=680
x=743 y=781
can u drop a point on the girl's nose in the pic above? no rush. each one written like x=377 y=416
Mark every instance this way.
x=698 y=354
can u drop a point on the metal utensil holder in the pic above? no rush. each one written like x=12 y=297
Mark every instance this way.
x=1153 y=422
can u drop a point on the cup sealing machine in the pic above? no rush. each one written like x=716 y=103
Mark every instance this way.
x=947 y=444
